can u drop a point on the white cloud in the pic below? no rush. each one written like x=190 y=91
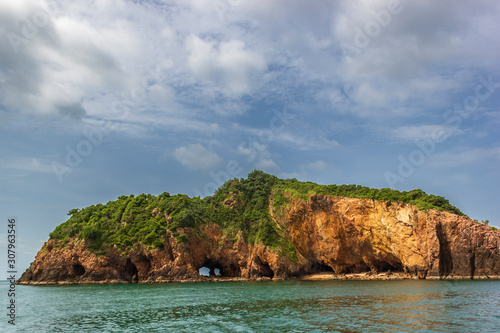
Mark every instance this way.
x=425 y=132
x=267 y=165
x=465 y=157
x=60 y=62
x=306 y=141
x=309 y=171
x=212 y=60
x=260 y=157
x=231 y=107
x=318 y=165
x=27 y=164
x=226 y=62
x=197 y=157
x=300 y=137
x=89 y=56
x=424 y=53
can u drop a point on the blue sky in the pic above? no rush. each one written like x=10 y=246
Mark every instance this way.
x=106 y=98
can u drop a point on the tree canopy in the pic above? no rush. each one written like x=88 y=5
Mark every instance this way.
x=240 y=206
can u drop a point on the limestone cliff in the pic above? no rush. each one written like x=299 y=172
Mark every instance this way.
x=328 y=233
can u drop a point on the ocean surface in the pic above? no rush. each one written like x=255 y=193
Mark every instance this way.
x=283 y=306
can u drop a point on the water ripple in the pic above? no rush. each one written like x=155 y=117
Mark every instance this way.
x=288 y=306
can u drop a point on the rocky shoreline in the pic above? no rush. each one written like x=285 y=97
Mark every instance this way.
x=390 y=276
x=311 y=277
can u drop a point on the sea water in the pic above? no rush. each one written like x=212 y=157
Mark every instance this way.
x=272 y=306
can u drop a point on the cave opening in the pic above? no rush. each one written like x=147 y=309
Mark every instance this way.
x=393 y=266
x=210 y=268
x=232 y=270
x=130 y=272
x=472 y=264
x=78 y=269
x=267 y=271
x=323 y=268
x=264 y=268
x=445 y=258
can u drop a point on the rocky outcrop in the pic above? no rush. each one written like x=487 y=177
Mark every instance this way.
x=357 y=235
x=343 y=236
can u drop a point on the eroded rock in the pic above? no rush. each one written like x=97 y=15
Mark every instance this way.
x=331 y=235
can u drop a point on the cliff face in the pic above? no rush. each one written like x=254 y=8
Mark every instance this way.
x=356 y=235
x=330 y=234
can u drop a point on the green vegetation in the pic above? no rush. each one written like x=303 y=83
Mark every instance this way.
x=130 y=220
x=240 y=206
x=419 y=198
x=244 y=204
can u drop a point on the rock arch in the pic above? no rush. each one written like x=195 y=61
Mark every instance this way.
x=212 y=266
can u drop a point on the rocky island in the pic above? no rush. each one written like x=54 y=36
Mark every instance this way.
x=263 y=227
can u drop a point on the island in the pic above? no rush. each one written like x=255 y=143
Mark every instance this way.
x=266 y=228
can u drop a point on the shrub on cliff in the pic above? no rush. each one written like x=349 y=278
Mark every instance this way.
x=415 y=197
x=240 y=205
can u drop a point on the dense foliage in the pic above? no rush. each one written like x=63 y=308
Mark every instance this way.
x=239 y=206
x=129 y=220
x=417 y=197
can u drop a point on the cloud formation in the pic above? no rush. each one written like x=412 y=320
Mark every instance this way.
x=194 y=67
x=227 y=64
x=219 y=52
x=197 y=157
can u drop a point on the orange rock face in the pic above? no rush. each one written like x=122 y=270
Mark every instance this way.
x=330 y=234
x=355 y=235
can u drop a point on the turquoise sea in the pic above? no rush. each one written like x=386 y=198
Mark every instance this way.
x=282 y=306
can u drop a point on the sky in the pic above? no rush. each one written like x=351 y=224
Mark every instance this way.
x=111 y=97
